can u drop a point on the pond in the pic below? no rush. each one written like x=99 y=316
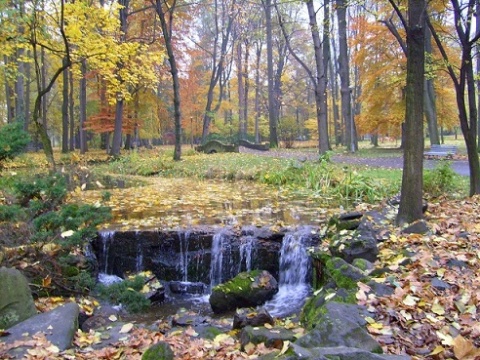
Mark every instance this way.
x=170 y=203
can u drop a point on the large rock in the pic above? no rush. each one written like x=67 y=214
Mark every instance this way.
x=159 y=351
x=16 y=301
x=351 y=245
x=245 y=317
x=247 y=289
x=272 y=338
x=58 y=325
x=338 y=324
x=341 y=353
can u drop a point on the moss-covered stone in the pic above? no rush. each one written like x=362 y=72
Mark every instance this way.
x=343 y=274
x=159 y=351
x=16 y=301
x=247 y=289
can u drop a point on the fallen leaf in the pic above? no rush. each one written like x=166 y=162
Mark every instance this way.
x=126 y=328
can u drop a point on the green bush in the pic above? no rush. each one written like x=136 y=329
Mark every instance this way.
x=440 y=180
x=13 y=140
x=126 y=293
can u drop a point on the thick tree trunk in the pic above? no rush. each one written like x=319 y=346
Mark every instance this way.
x=117 y=131
x=320 y=83
x=412 y=180
x=344 y=72
x=272 y=114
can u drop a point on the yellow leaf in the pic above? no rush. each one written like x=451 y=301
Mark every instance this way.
x=268 y=326
x=126 y=328
x=410 y=300
x=438 y=309
x=285 y=346
x=437 y=350
x=464 y=349
x=112 y=318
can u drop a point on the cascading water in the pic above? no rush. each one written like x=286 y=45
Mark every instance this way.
x=216 y=265
x=183 y=264
x=247 y=248
x=294 y=269
x=107 y=237
x=139 y=260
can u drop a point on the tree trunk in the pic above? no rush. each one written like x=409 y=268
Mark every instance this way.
x=326 y=56
x=83 y=107
x=117 y=131
x=27 y=94
x=71 y=111
x=20 y=88
x=412 y=180
x=257 y=92
x=429 y=96
x=344 y=71
x=9 y=95
x=167 y=29
x=320 y=82
x=241 y=93
x=65 y=109
x=272 y=114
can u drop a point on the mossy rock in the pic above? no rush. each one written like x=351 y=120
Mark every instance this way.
x=314 y=307
x=247 y=289
x=16 y=301
x=159 y=351
x=338 y=324
x=343 y=274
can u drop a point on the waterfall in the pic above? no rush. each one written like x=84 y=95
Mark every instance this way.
x=183 y=263
x=247 y=248
x=294 y=270
x=216 y=265
x=139 y=259
x=107 y=238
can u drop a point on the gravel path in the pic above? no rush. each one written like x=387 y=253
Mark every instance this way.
x=392 y=162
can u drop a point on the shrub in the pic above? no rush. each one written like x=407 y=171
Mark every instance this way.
x=440 y=180
x=13 y=140
x=126 y=293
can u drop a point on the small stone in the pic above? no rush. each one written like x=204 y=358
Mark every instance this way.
x=439 y=284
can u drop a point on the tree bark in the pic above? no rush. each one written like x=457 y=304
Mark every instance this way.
x=83 y=107
x=65 y=109
x=272 y=114
x=167 y=29
x=320 y=82
x=257 y=91
x=412 y=180
x=429 y=97
x=344 y=72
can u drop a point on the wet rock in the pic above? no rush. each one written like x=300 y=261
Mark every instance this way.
x=159 y=351
x=100 y=318
x=247 y=289
x=439 y=284
x=185 y=318
x=245 y=317
x=342 y=353
x=58 y=325
x=417 y=227
x=183 y=287
x=354 y=245
x=272 y=338
x=346 y=221
x=380 y=289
